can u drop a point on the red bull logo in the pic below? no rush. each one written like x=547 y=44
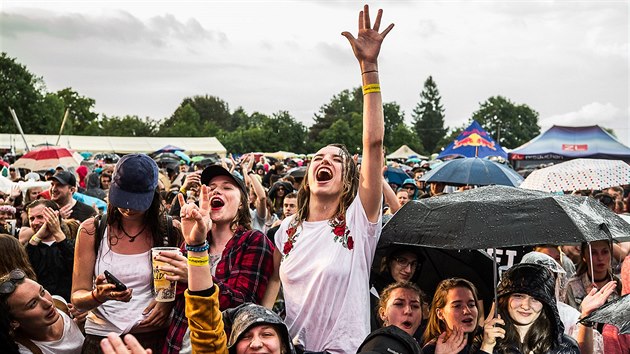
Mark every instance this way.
x=474 y=139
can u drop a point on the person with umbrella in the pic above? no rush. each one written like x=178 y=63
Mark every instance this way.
x=324 y=252
x=528 y=320
x=593 y=271
x=589 y=340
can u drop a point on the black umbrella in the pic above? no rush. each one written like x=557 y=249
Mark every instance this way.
x=616 y=313
x=435 y=265
x=297 y=172
x=500 y=216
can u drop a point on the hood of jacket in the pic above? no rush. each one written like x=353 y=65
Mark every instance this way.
x=240 y=319
x=538 y=282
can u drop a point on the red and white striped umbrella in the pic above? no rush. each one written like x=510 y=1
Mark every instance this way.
x=579 y=174
x=48 y=157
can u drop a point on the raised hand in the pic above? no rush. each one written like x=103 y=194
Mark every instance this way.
x=454 y=343
x=491 y=331
x=114 y=345
x=596 y=298
x=367 y=45
x=65 y=211
x=195 y=220
x=53 y=225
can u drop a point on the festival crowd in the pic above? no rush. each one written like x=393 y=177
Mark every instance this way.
x=269 y=263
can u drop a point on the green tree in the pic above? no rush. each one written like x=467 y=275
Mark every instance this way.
x=213 y=110
x=341 y=106
x=127 y=126
x=184 y=122
x=428 y=117
x=22 y=91
x=403 y=135
x=511 y=124
x=80 y=116
x=345 y=106
x=53 y=109
x=343 y=132
x=393 y=117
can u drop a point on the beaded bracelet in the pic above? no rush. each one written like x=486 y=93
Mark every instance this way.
x=371 y=88
x=198 y=248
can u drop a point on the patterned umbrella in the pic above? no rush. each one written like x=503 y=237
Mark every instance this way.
x=579 y=174
x=48 y=157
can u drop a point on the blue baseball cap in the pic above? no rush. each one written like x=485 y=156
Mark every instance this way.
x=134 y=182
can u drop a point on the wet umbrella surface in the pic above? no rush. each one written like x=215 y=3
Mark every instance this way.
x=500 y=216
x=616 y=313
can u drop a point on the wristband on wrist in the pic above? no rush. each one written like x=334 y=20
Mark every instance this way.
x=182 y=190
x=36 y=239
x=198 y=261
x=586 y=323
x=369 y=71
x=94 y=297
x=198 y=248
x=371 y=88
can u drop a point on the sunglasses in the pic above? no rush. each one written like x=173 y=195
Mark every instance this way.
x=15 y=277
x=404 y=262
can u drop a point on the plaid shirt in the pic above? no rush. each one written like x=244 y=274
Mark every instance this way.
x=242 y=275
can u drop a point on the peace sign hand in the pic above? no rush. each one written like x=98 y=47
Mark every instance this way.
x=367 y=45
x=195 y=220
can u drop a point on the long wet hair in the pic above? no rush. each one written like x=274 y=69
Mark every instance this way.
x=243 y=217
x=14 y=256
x=436 y=326
x=350 y=180
x=538 y=338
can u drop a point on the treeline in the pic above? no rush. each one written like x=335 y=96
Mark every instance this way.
x=338 y=121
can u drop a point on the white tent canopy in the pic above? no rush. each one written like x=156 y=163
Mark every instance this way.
x=116 y=144
x=405 y=152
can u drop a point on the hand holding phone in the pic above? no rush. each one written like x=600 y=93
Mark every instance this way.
x=113 y=280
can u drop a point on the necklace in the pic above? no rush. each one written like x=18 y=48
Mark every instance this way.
x=132 y=238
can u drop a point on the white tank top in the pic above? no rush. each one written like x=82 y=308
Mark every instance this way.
x=135 y=271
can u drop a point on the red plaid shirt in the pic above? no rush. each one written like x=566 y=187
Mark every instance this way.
x=242 y=275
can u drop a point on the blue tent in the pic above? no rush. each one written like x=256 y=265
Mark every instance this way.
x=565 y=143
x=474 y=141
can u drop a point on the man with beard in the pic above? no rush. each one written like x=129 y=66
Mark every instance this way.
x=64 y=184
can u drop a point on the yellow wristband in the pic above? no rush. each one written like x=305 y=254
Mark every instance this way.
x=36 y=239
x=371 y=88
x=182 y=190
x=199 y=261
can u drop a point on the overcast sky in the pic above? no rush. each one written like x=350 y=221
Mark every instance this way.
x=568 y=60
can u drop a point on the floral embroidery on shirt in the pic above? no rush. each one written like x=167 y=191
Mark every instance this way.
x=340 y=230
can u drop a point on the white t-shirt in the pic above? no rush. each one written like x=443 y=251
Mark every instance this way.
x=135 y=271
x=326 y=284
x=70 y=342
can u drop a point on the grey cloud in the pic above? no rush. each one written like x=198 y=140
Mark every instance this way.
x=118 y=27
x=334 y=53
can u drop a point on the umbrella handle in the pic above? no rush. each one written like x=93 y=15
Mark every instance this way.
x=495 y=276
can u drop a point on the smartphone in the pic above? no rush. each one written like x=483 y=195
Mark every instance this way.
x=113 y=280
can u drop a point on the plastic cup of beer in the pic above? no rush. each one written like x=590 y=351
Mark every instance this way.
x=163 y=288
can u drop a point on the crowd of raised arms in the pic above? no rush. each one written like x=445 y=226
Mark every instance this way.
x=257 y=260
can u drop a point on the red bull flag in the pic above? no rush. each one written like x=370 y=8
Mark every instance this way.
x=473 y=142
